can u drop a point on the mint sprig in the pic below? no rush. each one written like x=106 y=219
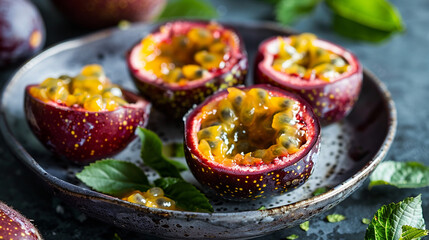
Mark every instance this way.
x=200 y=9
x=186 y=195
x=287 y=11
x=151 y=153
x=389 y=221
x=114 y=177
x=410 y=233
x=400 y=174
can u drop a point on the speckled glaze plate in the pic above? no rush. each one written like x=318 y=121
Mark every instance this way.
x=350 y=150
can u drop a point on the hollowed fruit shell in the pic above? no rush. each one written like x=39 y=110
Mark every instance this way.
x=83 y=136
x=243 y=182
x=177 y=100
x=331 y=101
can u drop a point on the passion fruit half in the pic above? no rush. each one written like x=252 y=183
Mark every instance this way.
x=328 y=76
x=85 y=117
x=183 y=62
x=248 y=143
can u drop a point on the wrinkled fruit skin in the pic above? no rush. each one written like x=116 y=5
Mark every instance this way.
x=103 y=13
x=176 y=101
x=22 y=31
x=331 y=101
x=15 y=226
x=83 y=136
x=241 y=184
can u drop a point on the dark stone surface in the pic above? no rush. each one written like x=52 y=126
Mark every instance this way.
x=402 y=63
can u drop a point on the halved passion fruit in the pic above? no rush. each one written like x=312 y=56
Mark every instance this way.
x=183 y=62
x=247 y=143
x=326 y=75
x=85 y=117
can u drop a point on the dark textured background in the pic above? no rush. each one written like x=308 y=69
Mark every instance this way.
x=402 y=63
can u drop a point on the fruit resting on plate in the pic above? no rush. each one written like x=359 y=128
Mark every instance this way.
x=22 y=31
x=247 y=143
x=103 y=13
x=326 y=75
x=183 y=62
x=15 y=226
x=85 y=117
x=154 y=198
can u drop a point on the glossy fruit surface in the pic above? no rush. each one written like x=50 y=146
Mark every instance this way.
x=247 y=143
x=13 y=225
x=22 y=31
x=83 y=132
x=326 y=75
x=104 y=13
x=183 y=62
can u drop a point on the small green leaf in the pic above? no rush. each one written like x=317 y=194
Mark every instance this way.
x=335 y=218
x=366 y=221
x=113 y=177
x=400 y=174
x=186 y=195
x=287 y=11
x=173 y=150
x=320 y=190
x=292 y=237
x=376 y=14
x=262 y=208
x=305 y=226
x=388 y=220
x=410 y=233
x=151 y=153
x=200 y=9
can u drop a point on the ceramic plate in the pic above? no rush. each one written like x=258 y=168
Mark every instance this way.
x=350 y=149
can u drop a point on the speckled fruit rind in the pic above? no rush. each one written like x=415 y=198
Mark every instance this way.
x=15 y=226
x=176 y=100
x=82 y=136
x=22 y=31
x=103 y=13
x=331 y=101
x=251 y=182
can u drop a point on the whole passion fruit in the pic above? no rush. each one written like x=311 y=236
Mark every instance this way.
x=247 y=143
x=183 y=62
x=85 y=117
x=22 y=31
x=13 y=225
x=104 y=13
x=326 y=75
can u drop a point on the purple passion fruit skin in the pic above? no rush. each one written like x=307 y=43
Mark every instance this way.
x=84 y=118
x=176 y=99
x=103 y=13
x=13 y=225
x=22 y=31
x=266 y=178
x=331 y=100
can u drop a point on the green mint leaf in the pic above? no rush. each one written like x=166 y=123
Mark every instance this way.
x=388 y=220
x=186 y=195
x=400 y=174
x=305 y=226
x=262 y=208
x=410 y=233
x=335 y=218
x=200 y=9
x=320 y=190
x=287 y=11
x=151 y=153
x=114 y=177
x=292 y=237
x=371 y=20
x=173 y=150
x=366 y=221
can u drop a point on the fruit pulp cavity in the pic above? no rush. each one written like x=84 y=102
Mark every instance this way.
x=154 y=198
x=302 y=58
x=188 y=56
x=90 y=90
x=250 y=127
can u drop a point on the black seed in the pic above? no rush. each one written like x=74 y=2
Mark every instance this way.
x=209 y=58
x=227 y=114
x=199 y=73
x=285 y=103
x=205 y=134
x=65 y=77
x=238 y=100
x=262 y=93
